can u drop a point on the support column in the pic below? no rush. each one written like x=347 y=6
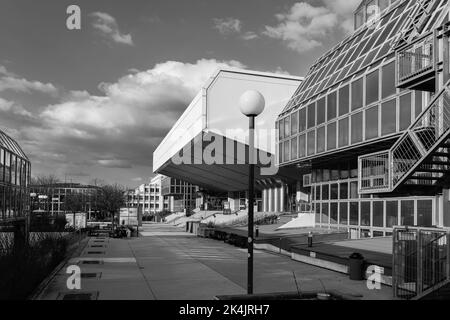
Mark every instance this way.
x=264 y=198
x=282 y=197
x=276 y=207
x=270 y=200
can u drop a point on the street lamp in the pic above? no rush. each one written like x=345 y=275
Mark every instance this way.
x=251 y=105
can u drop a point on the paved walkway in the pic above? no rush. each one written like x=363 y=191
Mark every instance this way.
x=166 y=263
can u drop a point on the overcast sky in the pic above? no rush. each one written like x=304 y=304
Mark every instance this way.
x=95 y=102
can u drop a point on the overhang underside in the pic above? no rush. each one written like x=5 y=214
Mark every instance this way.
x=223 y=176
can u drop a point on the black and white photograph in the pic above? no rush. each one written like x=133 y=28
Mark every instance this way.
x=224 y=156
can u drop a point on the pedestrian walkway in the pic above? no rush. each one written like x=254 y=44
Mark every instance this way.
x=170 y=264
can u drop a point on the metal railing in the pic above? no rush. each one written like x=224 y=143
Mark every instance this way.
x=421 y=261
x=415 y=59
x=374 y=172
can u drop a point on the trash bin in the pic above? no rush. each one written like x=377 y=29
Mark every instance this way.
x=356 y=266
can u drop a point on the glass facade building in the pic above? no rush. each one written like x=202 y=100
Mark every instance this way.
x=15 y=170
x=352 y=103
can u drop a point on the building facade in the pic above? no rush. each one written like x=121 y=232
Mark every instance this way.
x=368 y=129
x=51 y=198
x=15 y=173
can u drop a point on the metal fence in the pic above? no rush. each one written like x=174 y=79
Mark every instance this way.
x=421 y=260
x=415 y=59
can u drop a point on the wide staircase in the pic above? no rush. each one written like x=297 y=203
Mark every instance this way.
x=421 y=263
x=421 y=156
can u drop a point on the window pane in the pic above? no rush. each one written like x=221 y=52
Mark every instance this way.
x=357 y=128
x=311 y=142
x=334 y=191
x=302 y=146
x=343 y=213
x=331 y=136
x=388 y=117
x=372 y=87
x=372 y=123
x=320 y=139
x=354 y=219
x=418 y=102
x=294 y=123
x=391 y=214
x=311 y=115
x=365 y=213
x=354 y=190
x=318 y=194
x=302 y=120
x=343 y=132
x=331 y=106
x=280 y=152
x=424 y=213
x=343 y=192
x=334 y=213
x=359 y=18
x=407 y=213
x=325 y=218
x=388 y=81
x=294 y=145
x=325 y=192
x=317 y=211
x=357 y=94
x=383 y=4
x=343 y=100
x=281 y=128
x=321 y=111
x=287 y=127
x=378 y=214
x=286 y=151
x=405 y=111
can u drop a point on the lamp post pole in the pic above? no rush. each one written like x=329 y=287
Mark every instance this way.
x=251 y=104
x=251 y=187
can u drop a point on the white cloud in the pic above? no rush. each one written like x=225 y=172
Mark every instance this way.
x=227 y=26
x=10 y=106
x=108 y=27
x=10 y=81
x=130 y=118
x=249 y=35
x=305 y=27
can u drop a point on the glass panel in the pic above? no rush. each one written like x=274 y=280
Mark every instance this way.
x=357 y=128
x=343 y=191
x=388 y=117
x=343 y=213
x=318 y=194
x=424 y=213
x=311 y=115
x=331 y=136
x=286 y=151
x=280 y=152
x=405 y=111
x=378 y=214
x=407 y=213
x=320 y=139
x=372 y=123
x=354 y=190
x=287 y=127
x=344 y=100
x=7 y=166
x=281 y=128
x=334 y=191
x=302 y=146
x=365 y=213
x=2 y=164
x=325 y=192
x=294 y=123
x=334 y=213
x=357 y=94
x=388 y=80
x=302 y=120
x=343 y=132
x=294 y=144
x=383 y=4
x=418 y=102
x=321 y=111
x=325 y=217
x=317 y=211
x=372 y=87
x=331 y=105
x=354 y=216
x=311 y=142
x=359 y=18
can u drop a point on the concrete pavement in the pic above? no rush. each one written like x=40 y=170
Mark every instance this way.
x=167 y=263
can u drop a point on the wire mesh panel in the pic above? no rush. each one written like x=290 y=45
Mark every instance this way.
x=420 y=260
x=374 y=172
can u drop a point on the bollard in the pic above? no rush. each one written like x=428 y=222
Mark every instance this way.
x=257 y=232
x=310 y=239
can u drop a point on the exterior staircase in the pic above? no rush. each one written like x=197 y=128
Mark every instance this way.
x=421 y=156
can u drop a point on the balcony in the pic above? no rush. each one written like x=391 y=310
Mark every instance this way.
x=374 y=172
x=416 y=68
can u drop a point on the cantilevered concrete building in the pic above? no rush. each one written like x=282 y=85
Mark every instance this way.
x=208 y=145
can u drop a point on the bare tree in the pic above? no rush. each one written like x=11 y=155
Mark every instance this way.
x=44 y=185
x=110 y=199
x=73 y=203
